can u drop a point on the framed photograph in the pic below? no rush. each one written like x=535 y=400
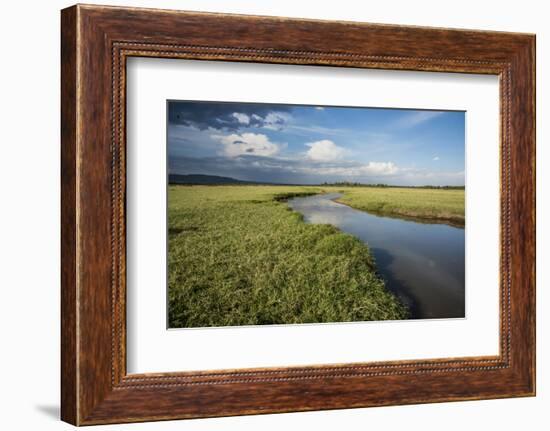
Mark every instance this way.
x=264 y=214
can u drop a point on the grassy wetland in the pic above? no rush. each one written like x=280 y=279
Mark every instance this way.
x=428 y=204
x=238 y=255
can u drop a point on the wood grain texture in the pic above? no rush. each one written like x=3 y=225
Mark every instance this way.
x=69 y=397
x=96 y=41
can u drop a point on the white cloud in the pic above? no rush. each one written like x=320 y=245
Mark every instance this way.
x=241 y=118
x=275 y=120
x=380 y=168
x=324 y=151
x=424 y=177
x=362 y=170
x=436 y=158
x=257 y=144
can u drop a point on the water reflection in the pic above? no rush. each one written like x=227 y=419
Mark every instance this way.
x=422 y=263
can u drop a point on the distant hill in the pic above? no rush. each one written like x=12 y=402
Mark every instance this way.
x=199 y=179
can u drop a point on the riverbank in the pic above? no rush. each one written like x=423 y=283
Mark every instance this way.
x=238 y=256
x=415 y=259
x=429 y=205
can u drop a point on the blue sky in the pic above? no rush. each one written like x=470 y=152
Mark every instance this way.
x=315 y=144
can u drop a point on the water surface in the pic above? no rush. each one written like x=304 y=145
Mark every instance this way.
x=422 y=263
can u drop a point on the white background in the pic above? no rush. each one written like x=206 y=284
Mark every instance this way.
x=151 y=348
x=29 y=224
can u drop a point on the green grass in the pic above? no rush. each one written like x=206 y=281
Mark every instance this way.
x=428 y=204
x=240 y=256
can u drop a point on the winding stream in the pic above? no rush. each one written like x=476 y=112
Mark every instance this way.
x=422 y=263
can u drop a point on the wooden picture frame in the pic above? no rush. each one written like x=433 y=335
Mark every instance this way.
x=95 y=43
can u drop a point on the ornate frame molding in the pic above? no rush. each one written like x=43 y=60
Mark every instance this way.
x=96 y=41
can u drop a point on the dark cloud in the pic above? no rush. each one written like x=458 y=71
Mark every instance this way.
x=227 y=116
x=250 y=167
x=247 y=167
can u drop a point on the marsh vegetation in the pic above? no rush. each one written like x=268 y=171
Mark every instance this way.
x=238 y=255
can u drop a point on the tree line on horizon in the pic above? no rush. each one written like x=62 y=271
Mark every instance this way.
x=201 y=179
x=382 y=185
